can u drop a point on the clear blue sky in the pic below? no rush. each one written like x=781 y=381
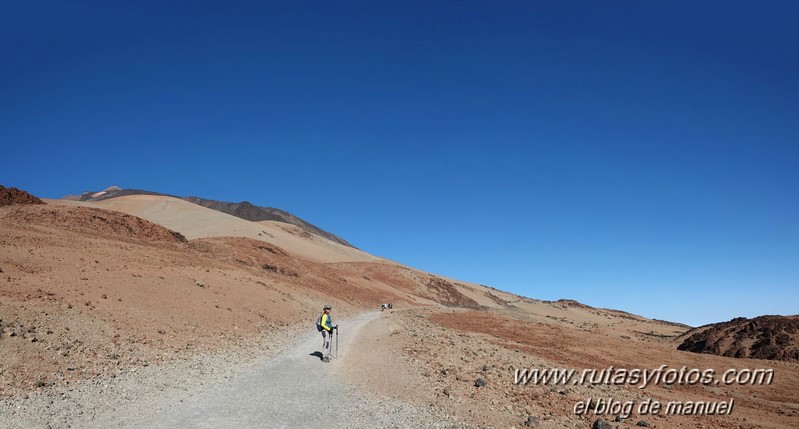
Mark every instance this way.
x=635 y=155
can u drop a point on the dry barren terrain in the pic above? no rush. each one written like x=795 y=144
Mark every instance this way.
x=111 y=289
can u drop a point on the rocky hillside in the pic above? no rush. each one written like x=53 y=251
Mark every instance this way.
x=89 y=292
x=764 y=337
x=243 y=210
x=11 y=196
x=92 y=294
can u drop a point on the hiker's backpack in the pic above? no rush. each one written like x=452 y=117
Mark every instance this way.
x=319 y=324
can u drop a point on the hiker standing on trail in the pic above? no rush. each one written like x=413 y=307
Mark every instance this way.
x=327 y=333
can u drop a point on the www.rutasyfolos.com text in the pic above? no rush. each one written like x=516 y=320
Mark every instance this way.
x=643 y=377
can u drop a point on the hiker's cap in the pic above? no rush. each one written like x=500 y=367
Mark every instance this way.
x=327 y=307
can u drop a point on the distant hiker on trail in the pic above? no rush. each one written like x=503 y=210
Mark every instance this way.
x=327 y=328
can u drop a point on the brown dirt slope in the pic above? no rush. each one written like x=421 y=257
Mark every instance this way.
x=464 y=361
x=86 y=292
x=444 y=292
x=91 y=221
x=764 y=337
x=10 y=196
x=89 y=292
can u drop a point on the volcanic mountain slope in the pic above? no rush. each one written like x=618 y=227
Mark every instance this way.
x=764 y=337
x=248 y=211
x=100 y=288
x=102 y=291
x=195 y=221
x=243 y=210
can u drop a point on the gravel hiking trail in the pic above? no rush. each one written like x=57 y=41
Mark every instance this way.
x=293 y=390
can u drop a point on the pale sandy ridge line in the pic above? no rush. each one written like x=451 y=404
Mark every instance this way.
x=194 y=221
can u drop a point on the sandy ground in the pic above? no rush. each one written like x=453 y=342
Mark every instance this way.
x=447 y=350
x=96 y=299
x=194 y=221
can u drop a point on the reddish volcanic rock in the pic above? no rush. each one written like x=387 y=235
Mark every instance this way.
x=11 y=196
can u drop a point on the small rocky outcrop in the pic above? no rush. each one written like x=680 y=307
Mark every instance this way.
x=11 y=196
x=764 y=337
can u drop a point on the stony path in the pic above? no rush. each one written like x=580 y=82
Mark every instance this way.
x=293 y=390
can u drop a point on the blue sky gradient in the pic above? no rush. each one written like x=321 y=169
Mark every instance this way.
x=632 y=155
